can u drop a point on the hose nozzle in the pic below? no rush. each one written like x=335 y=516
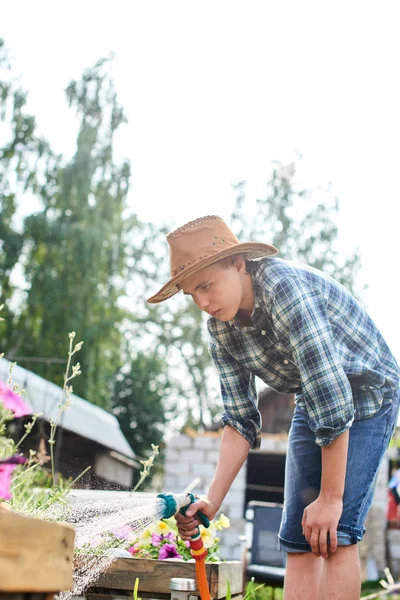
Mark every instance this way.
x=170 y=504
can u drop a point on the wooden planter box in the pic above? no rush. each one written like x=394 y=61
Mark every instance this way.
x=36 y=557
x=154 y=577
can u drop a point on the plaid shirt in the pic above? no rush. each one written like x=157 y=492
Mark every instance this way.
x=309 y=337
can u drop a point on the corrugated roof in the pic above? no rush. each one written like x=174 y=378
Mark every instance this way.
x=82 y=417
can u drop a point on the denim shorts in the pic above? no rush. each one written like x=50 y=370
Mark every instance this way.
x=368 y=441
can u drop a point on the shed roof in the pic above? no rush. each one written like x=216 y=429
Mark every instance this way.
x=82 y=417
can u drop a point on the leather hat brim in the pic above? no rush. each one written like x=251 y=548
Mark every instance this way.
x=251 y=250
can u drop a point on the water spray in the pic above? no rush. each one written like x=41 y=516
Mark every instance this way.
x=169 y=505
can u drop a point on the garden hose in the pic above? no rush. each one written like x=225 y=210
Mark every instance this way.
x=169 y=505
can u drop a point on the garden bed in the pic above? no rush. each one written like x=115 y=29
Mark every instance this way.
x=154 y=577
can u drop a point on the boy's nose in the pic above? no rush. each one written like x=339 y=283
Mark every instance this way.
x=203 y=303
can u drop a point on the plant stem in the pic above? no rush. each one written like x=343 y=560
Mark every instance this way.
x=79 y=476
x=28 y=430
x=54 y=425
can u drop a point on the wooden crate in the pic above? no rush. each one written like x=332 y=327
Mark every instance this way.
x=35 y=556
x=154 y=577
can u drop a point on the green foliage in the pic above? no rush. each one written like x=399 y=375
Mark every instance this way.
x=257 y=591
x=183 y=338
x=77 y=252
x=140 y=391
x=33 y=489
x=228 y=591
x=301 y=223
x=136 y=589
x=22 y=155
x=76 y=245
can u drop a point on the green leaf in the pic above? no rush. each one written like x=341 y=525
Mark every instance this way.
x=135 y=589
x=228 y=591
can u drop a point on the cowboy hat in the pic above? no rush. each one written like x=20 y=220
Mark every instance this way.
x=199 y=244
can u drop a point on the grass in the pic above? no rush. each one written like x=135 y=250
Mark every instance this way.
x=257 y=591
x=260 y=591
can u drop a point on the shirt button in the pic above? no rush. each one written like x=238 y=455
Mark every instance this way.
x=286 y=362
x=263 y=332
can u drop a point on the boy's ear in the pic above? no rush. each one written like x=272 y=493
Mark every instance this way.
x=240 y=263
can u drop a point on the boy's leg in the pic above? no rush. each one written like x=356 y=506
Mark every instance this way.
x=313 y=578
x=303 y=576
x=341 y=575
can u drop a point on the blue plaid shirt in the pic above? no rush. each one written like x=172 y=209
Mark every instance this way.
x=309 y=336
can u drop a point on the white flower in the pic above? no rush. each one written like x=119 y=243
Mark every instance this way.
x=208 y=537
x=223 y=522
x=161 y=528
x=145 y=538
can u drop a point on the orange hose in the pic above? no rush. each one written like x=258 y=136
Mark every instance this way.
x=199 y=553
x=202 y=579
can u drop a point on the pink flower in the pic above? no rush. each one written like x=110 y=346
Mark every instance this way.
x=134 y=549
x=168 y=551
x=156 y=539
x=13 y=402
x=6 y=468
x=187 y=543
x=169 y=536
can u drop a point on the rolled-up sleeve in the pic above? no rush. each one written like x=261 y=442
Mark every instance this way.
x=239 y=395
x=300 y=316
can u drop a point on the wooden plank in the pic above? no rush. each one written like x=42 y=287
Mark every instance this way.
x=35 y=556
x=232 y=572
x=114 y=596
x=154 y=576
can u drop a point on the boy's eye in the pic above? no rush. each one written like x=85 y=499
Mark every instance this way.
x=205 y=287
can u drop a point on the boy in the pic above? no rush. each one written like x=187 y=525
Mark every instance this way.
x=300 y=332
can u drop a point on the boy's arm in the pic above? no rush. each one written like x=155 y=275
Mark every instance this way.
x=321 y=517
x=232 y=455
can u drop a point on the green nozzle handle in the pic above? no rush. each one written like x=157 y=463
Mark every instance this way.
x=205 y=521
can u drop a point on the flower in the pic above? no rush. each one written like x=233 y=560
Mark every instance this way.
x=6 y=469
x=156 y=539
x=12 y=401
x=168 y=551
x=134 y=549
x=161 y=528
x=208 y=537
x=160 y=540
x=223 y=522
x=145 y=538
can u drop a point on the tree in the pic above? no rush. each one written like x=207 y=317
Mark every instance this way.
x=75 y=247
x=300 y=224
x=141 y=392
x=22 y=155
x=183 y=340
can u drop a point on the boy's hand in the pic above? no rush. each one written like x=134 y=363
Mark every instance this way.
x=321 y=518
x=187 y=525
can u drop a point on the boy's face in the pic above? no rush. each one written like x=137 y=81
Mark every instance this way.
x=220 y=290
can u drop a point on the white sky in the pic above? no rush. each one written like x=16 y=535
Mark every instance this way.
x=215 y=91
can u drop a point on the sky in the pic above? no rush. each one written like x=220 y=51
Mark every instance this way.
x=216 y=91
